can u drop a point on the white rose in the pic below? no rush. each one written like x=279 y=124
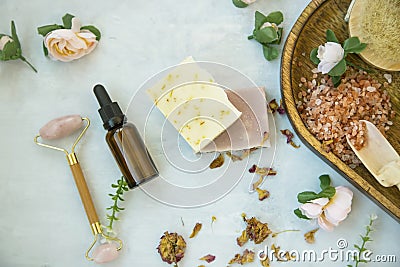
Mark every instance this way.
x=330 y=55
x=269 y=24
x=69 y=44
x=4 y=40
x=248 y=1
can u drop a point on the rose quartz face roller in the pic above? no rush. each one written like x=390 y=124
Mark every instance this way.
x=62 y=127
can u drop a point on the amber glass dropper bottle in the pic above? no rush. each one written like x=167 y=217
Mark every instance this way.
x=124 y=141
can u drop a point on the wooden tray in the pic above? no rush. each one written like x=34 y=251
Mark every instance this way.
x=307 y=33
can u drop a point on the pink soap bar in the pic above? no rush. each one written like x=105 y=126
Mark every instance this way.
x=61 y=127
x=249 y=131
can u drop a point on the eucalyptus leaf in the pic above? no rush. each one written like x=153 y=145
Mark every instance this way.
x=260 y=19
x=331 y=37
x=313 y=56
x=94 y=30
x=339 y=68
x=275 y=17
x=307 y=196
x=44 y=30
x=270 y=52
x=67 y=20
x=300 y=214
x=239 y=3
x=325 y=181
x=266 y=35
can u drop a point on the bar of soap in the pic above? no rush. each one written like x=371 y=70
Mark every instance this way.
x=252 y=127
x=198 y=108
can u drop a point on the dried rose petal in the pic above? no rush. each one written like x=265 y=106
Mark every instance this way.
x=289 y=136
x=257 y=184
x=262 y=194
x=273 y=105
x=281 y=109
x=253 y=168
x=208 y=258
x=265 y=138
x=310 y=236
x=256 y=230
x=246 y=257
x=171 y=248
x=287 y=256
x=196 y=229
x=218 y=162
x=245 y=154
x=242 y=239
x=265 y=262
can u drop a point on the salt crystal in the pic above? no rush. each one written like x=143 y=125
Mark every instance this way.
x=388 y=77
x=371 y=89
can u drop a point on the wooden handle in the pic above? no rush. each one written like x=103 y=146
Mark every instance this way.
x=84 y=193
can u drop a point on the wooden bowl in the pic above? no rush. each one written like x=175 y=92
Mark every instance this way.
x=370 y=55
x=307 y=33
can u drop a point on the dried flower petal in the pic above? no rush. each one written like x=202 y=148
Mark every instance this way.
x=208 y=258
x=277 y=254
x=257 y=184
x=310 y=236
x=262 y=194
x=265 y=262
x=256 y=230
x=242 y=239
x=245 y=154
x=273 y=105
x=246 y=257
x=289 y=136
x=172 y=247
x=196 y=229
x=265 y=138
x=218 y=162
x=213 y=219
x=284 y=231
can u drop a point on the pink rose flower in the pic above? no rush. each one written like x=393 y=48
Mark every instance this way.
x=329 y=213
x=69 y=44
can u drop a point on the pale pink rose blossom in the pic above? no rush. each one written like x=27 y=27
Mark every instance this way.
x=329 y=55
x=248 y=1
x=4 y=40
x=329 y=213
x=269 y=24
x=69 y=44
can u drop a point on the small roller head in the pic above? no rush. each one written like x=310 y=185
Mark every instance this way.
x=61 y=127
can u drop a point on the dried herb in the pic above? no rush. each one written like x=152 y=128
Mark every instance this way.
x=246 y=257
x=262 y=194
x=265 y=262
x=171 y=248
x=196 y=229
x=310 y=236
x=121 y=186
x=242 y=239
x=208 y=258
x=255 y=230
x=277 y=254
x=284 y=231
x=245 y=154
x=218 y=162
x=289 y=136
x=262 y=172
x=273 y=105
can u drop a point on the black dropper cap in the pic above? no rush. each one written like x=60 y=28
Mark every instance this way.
x=109 y=111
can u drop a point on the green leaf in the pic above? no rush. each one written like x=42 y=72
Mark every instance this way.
x=336 y=80
x=357 y=49
x=339 y=68
x=325 y=181
x=270 y=52
x=331 y=37
x=14 y=35
x=67 y=20
x=351 y=43
x=357 y=247
x=114 y=185
x=260 y=19
x=44 y=30
x=45 y=51
x=10 y=51
x=306 y=196
x=266 y=35
x=94 y=30
x=279 y=32
x=313 y=56
x=300 y=214
x=275 y=17
x=239 y=3
x=328 y=192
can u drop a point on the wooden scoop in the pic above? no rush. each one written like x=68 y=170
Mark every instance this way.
x=379 y=157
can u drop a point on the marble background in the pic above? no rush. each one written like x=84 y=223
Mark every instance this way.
x=42 y=222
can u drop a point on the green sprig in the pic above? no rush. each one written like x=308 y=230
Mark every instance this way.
x=121 y=186
x=12 y=50
x=270 y=36
x=365 y=238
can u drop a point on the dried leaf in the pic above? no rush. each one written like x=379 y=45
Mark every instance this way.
x=171 y=248
x=218 y=162
x=242 y=239
x=196 y=229
x=310 y=236
x=246 y=257
x=262 y=194
x=208 y=258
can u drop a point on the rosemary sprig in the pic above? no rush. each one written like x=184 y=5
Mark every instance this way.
x=121 y=186
x=365 y=238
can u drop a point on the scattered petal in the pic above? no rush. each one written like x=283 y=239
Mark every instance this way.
x=196 y=230
x=265 y=262
x=242 y=239
x=246 y=257
x=273 y=105
x=310 y=236
x=262 y=194
x=208 y=258
x=281 y=109
x=171 y=248
x=256 y=230
x=289 y=136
